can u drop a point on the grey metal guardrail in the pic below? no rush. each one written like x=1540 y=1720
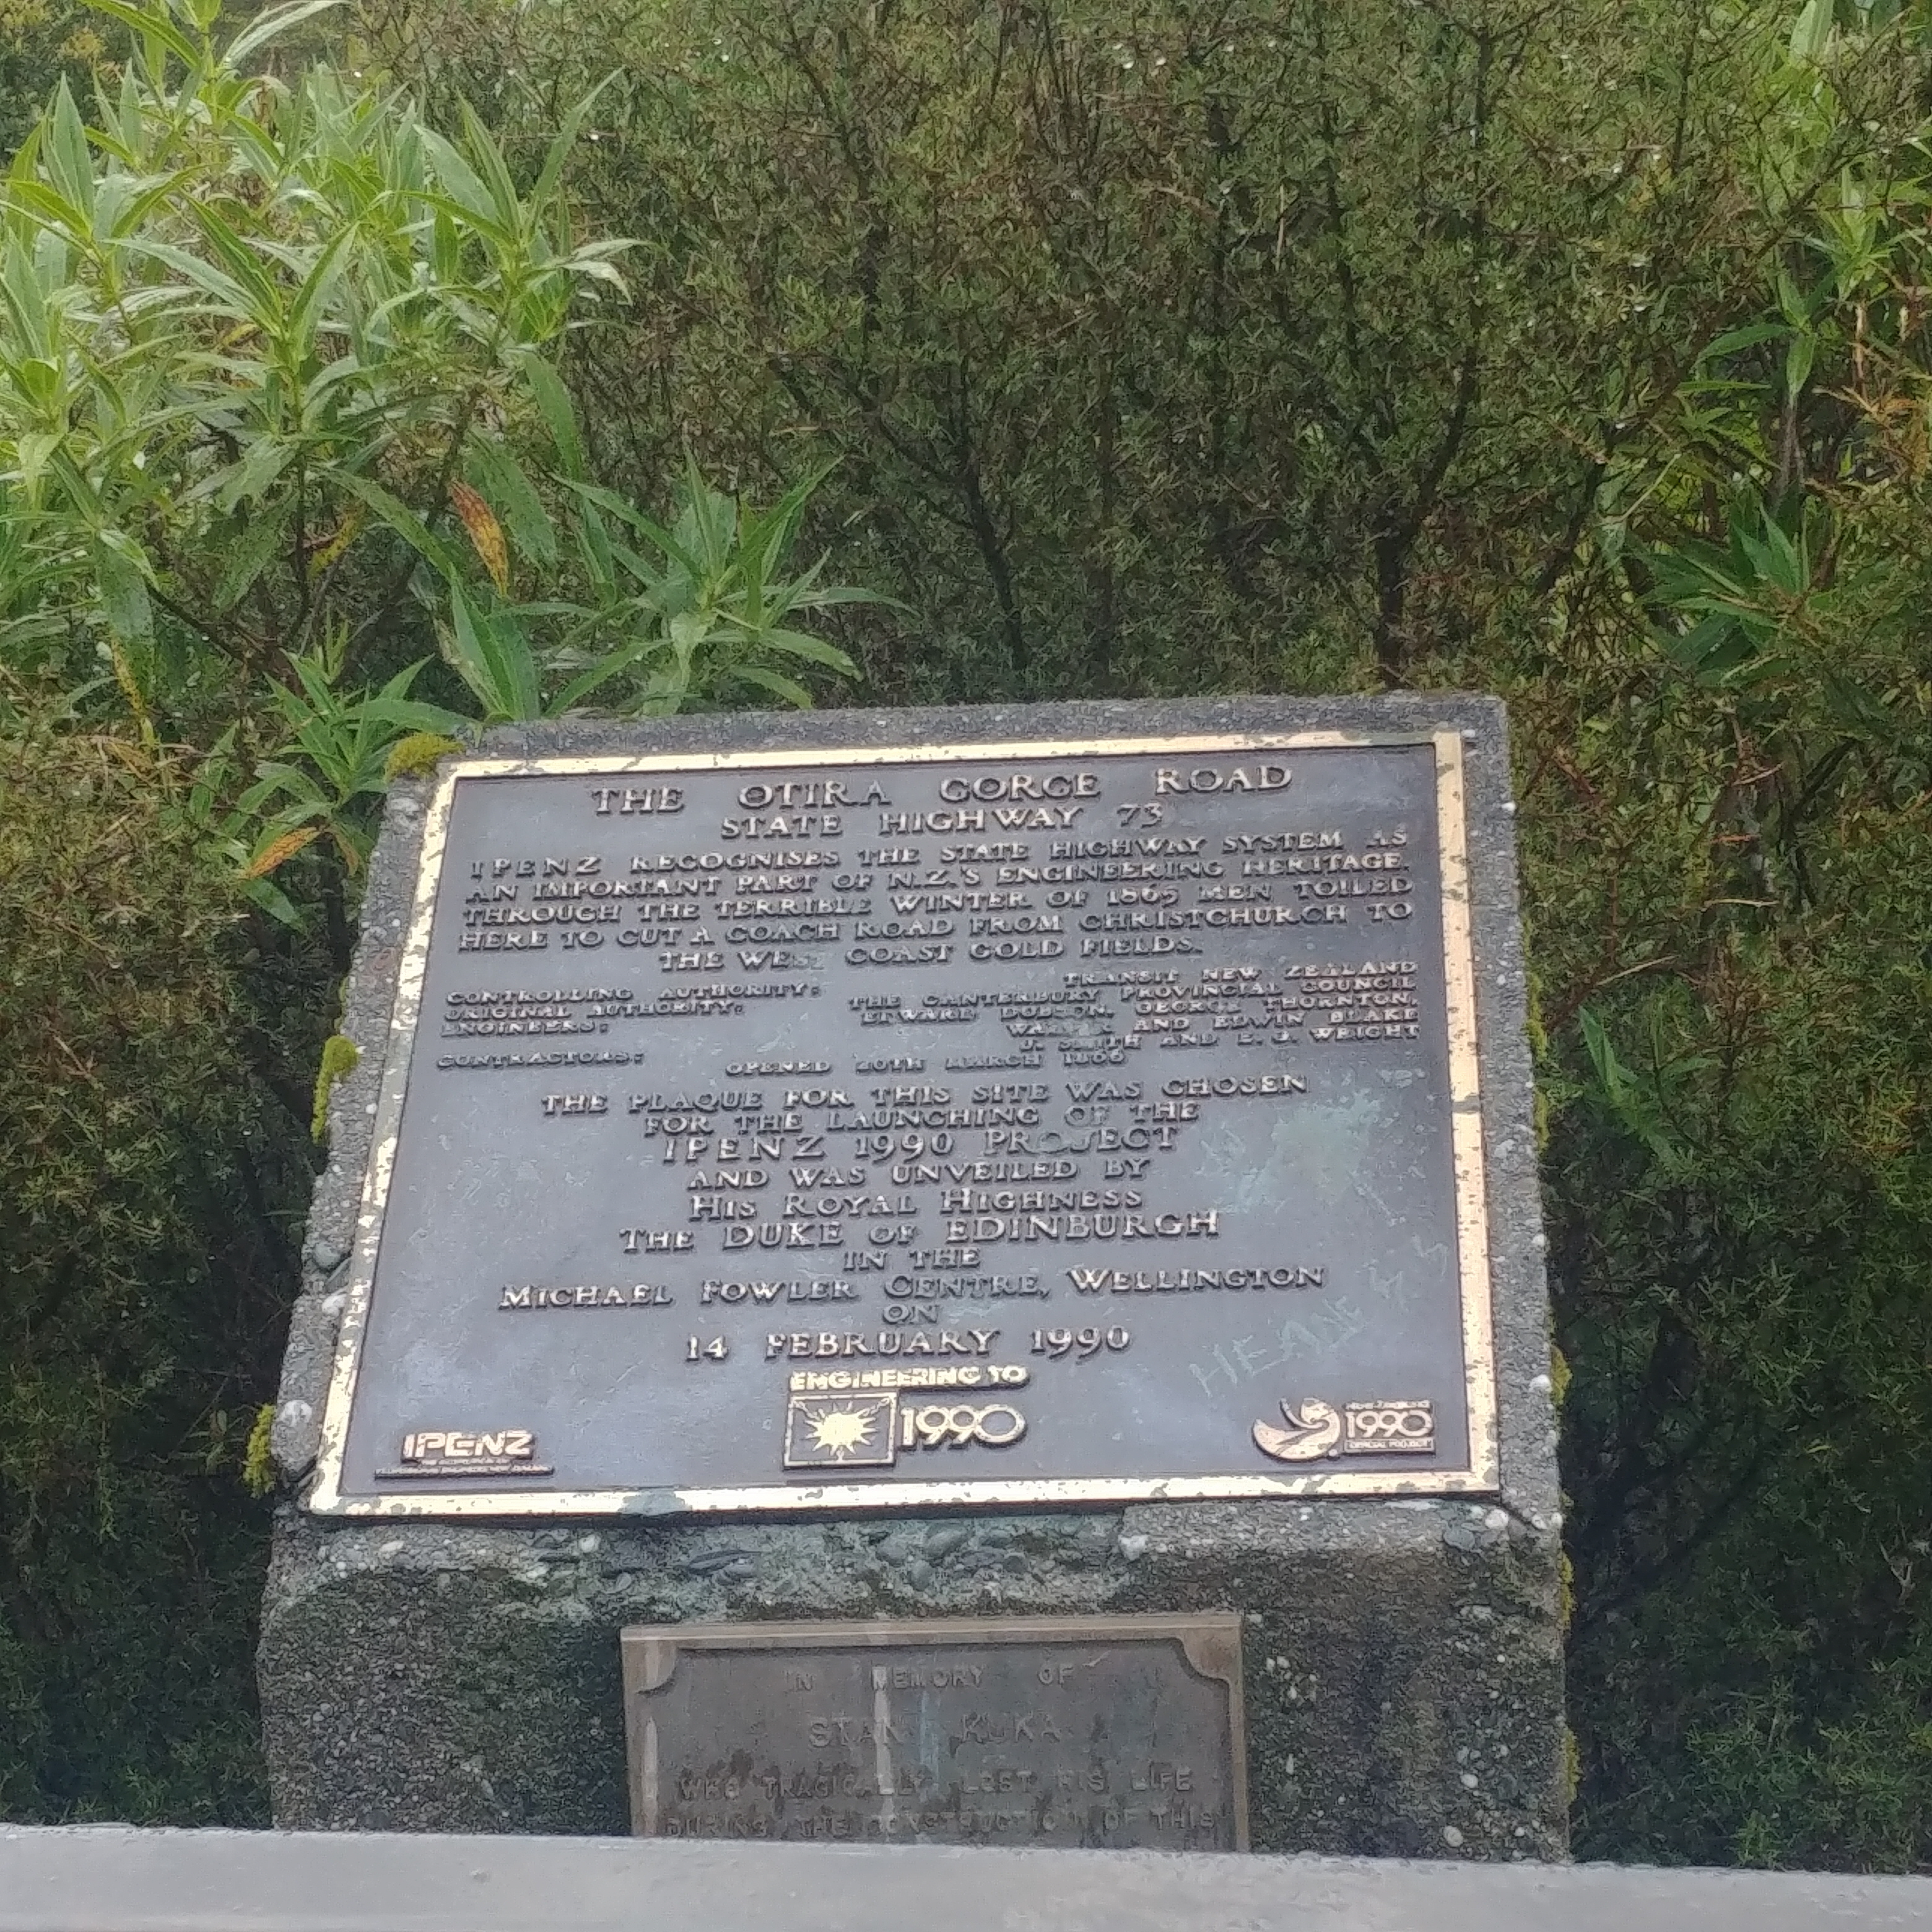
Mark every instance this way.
x=114 y=1879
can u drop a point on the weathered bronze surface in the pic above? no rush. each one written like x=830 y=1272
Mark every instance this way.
x=947 y=1124
x=1014 y=1731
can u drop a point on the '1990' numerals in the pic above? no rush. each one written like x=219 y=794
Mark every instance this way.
x=1078 y=1343
x=940 y=1425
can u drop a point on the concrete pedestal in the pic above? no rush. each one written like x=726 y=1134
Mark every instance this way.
x=1403 y=1662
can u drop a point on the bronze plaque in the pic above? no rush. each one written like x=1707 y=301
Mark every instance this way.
x=1016 y=1731
x=880 y=1128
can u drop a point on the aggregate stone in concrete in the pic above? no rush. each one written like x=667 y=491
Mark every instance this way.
x=1403 y=1663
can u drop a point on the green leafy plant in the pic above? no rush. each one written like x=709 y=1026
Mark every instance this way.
x=250 y=330
x=333 y=766
x=701 y=614
x=269 y=351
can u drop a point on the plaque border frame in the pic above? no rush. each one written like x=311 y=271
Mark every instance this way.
x=1210 y=1642
x=1482 y=1475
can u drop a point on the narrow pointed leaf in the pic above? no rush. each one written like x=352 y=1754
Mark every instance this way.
x=795 y=643
x=267 y=26
x=152 y=25
x=400 y=517
x=794 y=694
x=554 y=405
x=486 y=534
x=459 y=178
x=489 y=164
x=464 y=651
x=67 y=156
x=600 y=673
x=513 y=494
x=248 y=559
x=560 y=147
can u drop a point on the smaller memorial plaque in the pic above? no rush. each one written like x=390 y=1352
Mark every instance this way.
x=1095 y=1732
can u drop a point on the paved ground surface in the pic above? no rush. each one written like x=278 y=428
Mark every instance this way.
x=110 y=1879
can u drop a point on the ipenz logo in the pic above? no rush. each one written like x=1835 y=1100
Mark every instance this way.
x=466 y=1452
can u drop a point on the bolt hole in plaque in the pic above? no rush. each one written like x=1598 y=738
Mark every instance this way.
x=873 y=1128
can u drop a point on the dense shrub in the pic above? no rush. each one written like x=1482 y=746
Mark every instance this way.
x=1741 y=1205
x=1160 y=347
x=154 y=1166
x=40 y=40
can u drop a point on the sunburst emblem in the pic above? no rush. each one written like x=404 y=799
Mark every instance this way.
x=841 y=1432
x=844 y=1431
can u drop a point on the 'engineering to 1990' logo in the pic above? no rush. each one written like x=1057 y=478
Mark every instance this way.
x=866 y=1431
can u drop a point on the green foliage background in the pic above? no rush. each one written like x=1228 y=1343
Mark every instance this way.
x=153 y=1145
x=1575 y=351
